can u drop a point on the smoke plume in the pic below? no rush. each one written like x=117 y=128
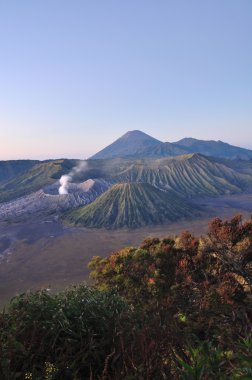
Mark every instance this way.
x=64 y=184
x=66 y=179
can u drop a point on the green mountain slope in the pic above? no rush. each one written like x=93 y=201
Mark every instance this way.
x=189 y=175
x=12 y=168
x=131 y=205
x=38 y=176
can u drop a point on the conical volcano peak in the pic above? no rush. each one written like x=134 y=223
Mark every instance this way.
x=136 y=134
x=132 y=205
x=127 y=145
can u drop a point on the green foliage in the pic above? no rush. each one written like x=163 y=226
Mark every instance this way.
x=208 y=361
x=74 y=331
x=140 y=274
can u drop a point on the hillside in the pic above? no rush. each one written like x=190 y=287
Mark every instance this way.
x=215 y=148
x=35 y=178
x=165 y=149
x=242 y=166
x=131 y=205
x=137 y=145
x=189 y=175
x=12 y=168
x=127 y=145
x=47 y=201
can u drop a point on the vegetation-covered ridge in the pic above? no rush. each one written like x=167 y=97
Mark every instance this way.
x=188 y=175
x=34 y=178
x=172 y=308
x=132 y=205
x=12 y=168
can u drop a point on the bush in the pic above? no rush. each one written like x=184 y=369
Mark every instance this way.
x=170 y=309
x=75 y=331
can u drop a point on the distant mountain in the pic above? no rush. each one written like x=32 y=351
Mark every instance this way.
x=135 y=181
x=189 y=175
x=215 y=148
x=242 y=166
x=165 y=149
x=127 y=145
x=12 y=168
x=132 y=205
x=137 y=145
x=35 y=178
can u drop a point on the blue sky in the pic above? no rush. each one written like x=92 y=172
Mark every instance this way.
x=75 y=75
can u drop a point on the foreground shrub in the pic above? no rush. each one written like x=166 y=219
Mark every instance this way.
x=189 y=277
x=176 y=308
x=75 y=331
x=197 y=289
x=208 y=361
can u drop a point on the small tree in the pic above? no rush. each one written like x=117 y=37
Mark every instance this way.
x=230 y=241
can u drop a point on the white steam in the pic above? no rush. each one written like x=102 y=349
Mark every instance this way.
x=64 y=184
x=66 y=179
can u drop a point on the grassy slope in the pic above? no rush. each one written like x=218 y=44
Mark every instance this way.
x=189 y=175
x=131 y=205
x=12 y=168
x=35 y=178
x=45 y=173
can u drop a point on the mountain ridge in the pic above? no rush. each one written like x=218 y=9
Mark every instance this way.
x=11 y=168
x=132 y=205
x=215 y=148
x=187 y=175
x=190 y=175
x=137 y=144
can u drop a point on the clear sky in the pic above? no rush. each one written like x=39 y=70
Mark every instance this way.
x=77 y=74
